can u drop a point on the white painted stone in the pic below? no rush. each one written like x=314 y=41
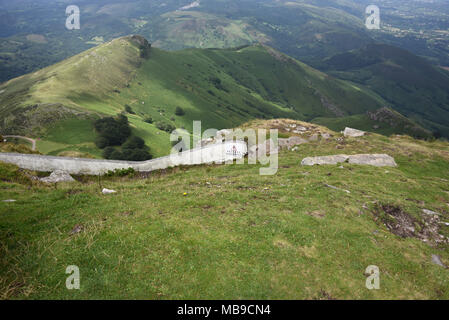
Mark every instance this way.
x=108 y=191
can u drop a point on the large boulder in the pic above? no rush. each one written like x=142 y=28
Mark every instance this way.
x=350 y=132
x=311 y=161
x=377 y=160
x=58 y=176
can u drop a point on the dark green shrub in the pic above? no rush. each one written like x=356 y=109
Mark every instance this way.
x=101 y=142
x=148 y=120
x=107 y=152
x=179 y=111
x=165 y=126
x=129 y=109
x=120 y=172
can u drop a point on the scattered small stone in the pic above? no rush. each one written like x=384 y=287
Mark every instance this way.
x=108 y=191
x=436 y=259
x=335 y=188
x=77 y=229
x=430 y=212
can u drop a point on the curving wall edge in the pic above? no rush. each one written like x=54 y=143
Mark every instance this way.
x=215 y=153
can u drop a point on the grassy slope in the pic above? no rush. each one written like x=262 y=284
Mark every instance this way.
x=235 y=235
x=401 y=125
x=256 y=82
x=408 y=83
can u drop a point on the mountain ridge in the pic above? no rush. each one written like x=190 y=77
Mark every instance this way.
x=222 y=87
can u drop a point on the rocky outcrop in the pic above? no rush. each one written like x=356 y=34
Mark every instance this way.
x=291 y=142
x=377 y=160
x=265 y=148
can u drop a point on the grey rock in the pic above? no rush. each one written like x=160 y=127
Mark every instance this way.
x=264 y=148
x=350 y=132
x=77 y=229
x=311 y=161
x=58 y=176
x=290 y=142
x=377 y=160
x=9 y=200
x=436 y=259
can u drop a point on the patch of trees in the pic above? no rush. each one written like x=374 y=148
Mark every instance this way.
x=114 y=137
x=112 y=131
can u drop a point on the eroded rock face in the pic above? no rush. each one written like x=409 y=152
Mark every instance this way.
x=377 y=160
x=58 y=176
x=350 y=132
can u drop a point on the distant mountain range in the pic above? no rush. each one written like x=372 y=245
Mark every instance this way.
x=33 y=34
x=221 y=87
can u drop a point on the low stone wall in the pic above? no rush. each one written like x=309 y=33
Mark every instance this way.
x=216 y=153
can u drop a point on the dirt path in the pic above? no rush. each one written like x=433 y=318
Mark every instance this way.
x=33 y=141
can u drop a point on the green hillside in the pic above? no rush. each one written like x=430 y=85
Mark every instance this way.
x=221 y=87
x=383 y=121
x=225 y=232
x=408 y=83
